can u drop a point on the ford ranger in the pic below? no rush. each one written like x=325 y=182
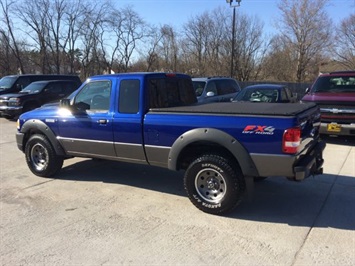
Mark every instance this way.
x=154 y=119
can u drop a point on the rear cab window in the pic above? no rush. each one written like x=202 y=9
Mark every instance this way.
x=170 y=92
x=129 y=96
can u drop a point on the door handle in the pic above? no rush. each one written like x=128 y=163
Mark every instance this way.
x=102 y=121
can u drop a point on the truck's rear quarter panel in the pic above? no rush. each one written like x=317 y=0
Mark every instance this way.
x=259 y=131
x=260 y=134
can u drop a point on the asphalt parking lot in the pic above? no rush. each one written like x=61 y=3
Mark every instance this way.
x=106 y=213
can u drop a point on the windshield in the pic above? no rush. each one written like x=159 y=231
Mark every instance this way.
x=198 y=87
x=334 y=84
x=33 y=88
x=257 y=95
x=7 y=82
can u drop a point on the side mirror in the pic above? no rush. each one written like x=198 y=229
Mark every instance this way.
x=210 y=94
x=78 y=108
x=307 y=90
x=65 y=103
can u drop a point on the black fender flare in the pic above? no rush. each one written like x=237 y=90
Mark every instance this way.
x=214 y=136
x=38 y=126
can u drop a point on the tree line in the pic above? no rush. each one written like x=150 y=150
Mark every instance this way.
x=94 y=37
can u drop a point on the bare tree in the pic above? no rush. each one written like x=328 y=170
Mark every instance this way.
x=11 y=45
x=279 y=62
x=197 y=36
x=345 y=40
x=250 y=49
x=216 y=49
x=73 y=20
x=35 y=18
x=208 y=44
x=56 y=42
x=90 y=36
x=305 y=29
x=132 y=32
x=169 y=48
x=150 y=53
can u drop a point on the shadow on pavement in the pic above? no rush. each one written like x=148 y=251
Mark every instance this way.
x=135 y=175
x=321 y=201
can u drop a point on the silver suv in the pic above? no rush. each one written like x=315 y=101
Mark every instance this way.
x=215 y=89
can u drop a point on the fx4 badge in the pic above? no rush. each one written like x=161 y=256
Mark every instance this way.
x=259 y=130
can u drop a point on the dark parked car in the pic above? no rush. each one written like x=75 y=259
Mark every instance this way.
x=272 y=93
x=334 y=93
x=215 y=89
x=15 y=83
x=35 y=95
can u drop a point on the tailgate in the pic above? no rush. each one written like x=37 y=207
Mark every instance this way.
x=309 y=122
x=310 y=156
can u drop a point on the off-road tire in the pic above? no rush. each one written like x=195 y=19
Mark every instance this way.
x=41 y=158
x=214 y=184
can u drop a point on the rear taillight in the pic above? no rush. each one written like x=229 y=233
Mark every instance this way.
x=291 y=140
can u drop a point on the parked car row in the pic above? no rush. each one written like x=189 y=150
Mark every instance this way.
x=22 y=93
x=333 y=92
x=223 y=89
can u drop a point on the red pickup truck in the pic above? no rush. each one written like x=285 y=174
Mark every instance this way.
x=335 y=95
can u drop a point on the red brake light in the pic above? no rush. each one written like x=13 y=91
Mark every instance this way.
x=291 y=140
x=170 y=75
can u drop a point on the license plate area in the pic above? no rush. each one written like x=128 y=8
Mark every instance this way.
x=333 y=128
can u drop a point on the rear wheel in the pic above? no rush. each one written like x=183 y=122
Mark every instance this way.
x=41 y=158
x=214 y=184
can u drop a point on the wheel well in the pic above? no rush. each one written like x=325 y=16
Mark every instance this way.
x=28 y=134
x=196 y=149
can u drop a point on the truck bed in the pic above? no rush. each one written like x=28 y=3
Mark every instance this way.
x=240 y=108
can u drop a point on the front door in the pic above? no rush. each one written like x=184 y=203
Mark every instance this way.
x=89 y=131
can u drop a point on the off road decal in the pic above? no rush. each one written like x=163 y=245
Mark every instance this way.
x=207 y=205
x=206 y=165
x=259 y=130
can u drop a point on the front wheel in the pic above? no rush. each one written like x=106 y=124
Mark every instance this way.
x=41 y=158
x=214 y=184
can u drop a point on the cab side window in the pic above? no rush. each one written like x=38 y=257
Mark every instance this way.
x=129 y=96
x=94 y=96
x=226 y=87
x=284 y=97
x=288 y=93
x=22 y=82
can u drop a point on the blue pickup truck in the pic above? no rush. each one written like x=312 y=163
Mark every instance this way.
x=154 y=119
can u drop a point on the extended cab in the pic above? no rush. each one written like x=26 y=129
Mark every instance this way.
x=335 y=94
x=153 y=118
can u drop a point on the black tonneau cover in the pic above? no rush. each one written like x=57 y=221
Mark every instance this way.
x=243 y=108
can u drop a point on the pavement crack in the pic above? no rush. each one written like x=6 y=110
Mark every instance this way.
x=316 y=218
x=38 y=184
